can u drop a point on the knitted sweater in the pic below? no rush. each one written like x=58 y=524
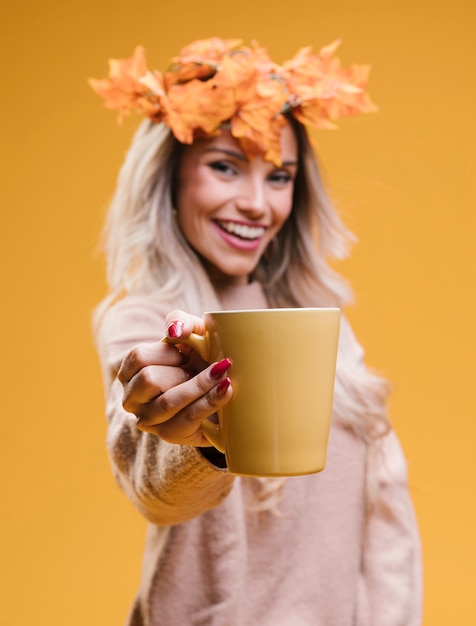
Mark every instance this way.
x=211 y=559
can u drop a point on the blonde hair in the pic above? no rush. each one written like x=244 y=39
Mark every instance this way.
x=147 y=253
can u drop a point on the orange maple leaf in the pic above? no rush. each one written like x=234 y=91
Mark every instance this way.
x=198 y=108
x=259 y=98
x=122 y=90
x=322 y=91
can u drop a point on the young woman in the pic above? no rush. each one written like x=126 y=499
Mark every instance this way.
x=219 y=204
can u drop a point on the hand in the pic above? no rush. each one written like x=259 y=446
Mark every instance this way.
x=170 y=389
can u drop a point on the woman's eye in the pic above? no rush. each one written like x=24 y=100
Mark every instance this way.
x=223 y=167
x=280 y=177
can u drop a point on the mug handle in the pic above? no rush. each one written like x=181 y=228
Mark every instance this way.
x=214 y=434
x=211 y=430
x=197 y=342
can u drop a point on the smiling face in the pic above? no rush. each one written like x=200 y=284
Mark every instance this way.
x=229 y=207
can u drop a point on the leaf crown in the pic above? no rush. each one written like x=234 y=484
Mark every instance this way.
x=220 y=83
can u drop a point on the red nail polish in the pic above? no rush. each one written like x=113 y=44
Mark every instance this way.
x=174 y=329
x=220 y=368
x=223 y=386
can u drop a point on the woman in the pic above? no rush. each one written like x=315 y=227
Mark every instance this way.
x=219 y=204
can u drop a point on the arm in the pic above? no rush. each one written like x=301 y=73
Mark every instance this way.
x=167 y=482
x=390 y=592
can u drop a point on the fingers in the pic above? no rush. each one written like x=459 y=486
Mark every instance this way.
x=194 y=399
x=185 y=427
x=148 y=370
x=160 y=390
x=150 y=382
x=181 y=324
x=179 y=327
x=146 y=354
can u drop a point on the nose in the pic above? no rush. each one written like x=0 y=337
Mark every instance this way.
x=251 y=200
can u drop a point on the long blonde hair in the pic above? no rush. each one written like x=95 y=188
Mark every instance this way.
x=146 y=253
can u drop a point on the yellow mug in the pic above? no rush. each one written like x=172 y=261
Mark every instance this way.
x=283 y=371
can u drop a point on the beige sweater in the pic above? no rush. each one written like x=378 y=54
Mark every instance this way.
x=211 y=560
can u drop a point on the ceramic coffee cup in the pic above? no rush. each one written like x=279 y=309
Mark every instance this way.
x=283 y=371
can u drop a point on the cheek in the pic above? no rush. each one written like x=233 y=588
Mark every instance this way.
x=284 y=208
x=197 y=196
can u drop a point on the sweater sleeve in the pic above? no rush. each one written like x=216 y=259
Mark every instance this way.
x=167 y=483
x=390 y=592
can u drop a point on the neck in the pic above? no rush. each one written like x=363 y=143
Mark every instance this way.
x=221 y=281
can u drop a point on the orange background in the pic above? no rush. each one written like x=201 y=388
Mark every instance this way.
x=70 y=543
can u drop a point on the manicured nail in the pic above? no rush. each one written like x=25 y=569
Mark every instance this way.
x=220 y=368
x=174 y=329
x=223 y=386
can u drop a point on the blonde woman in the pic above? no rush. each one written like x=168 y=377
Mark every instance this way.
x=220 y=205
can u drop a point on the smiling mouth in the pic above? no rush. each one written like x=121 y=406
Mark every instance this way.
x=242 y=231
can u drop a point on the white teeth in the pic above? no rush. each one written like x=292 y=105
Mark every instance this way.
x=242 y=230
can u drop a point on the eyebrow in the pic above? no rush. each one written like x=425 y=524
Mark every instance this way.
x=241 y=156
x=232 y=153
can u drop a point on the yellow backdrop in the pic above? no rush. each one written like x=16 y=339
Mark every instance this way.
x=70 y=542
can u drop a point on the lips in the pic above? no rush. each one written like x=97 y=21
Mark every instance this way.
x=243 y=231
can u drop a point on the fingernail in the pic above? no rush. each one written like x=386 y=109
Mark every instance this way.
x=220 y=368
x=223 y=386
x=174 y=329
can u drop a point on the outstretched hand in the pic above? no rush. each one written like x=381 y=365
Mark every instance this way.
x=169 y=388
